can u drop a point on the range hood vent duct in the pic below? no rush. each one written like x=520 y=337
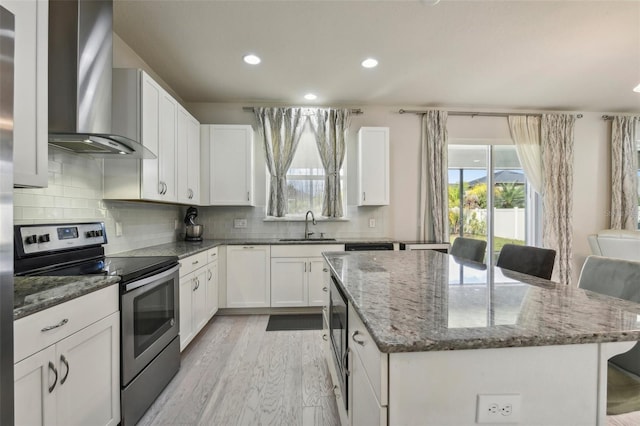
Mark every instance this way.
x=80 y=69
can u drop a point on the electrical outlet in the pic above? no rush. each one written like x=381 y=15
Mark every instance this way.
x=118 y=229
x=372 y=223
x=498 y=408
x=239 y=223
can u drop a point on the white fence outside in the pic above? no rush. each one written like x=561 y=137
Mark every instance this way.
x=507 y=223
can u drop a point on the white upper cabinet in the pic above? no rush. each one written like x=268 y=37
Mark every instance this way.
x=226 y=165
x=188 y=156
x=30 y=133
x=143 y=111
x=373 y=166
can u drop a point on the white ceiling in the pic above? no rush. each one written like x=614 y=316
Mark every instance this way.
x=555 y=55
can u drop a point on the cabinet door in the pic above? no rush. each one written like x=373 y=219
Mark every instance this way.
x=212 y=289
x=150 y=117
x=33 y=377
x=182 y=156
x=363 y=404
x=30 y=149
x=318 y=278
x=188 y=158
x=88 y=365
x=187 y=283
x=199 y=297
x=231 y=163
x=248 y=277
x=373 y=166
x=289 y=281
x=193 y=161
x=167 y=145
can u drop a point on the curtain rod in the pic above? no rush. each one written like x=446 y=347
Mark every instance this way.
x=353 y=110
x=472 y=114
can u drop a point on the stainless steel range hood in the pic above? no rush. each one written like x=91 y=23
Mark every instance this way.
x=80 y=67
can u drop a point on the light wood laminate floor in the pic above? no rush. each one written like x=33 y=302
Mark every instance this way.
x=236 y=373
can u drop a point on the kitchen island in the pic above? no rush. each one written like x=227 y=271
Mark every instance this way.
x=433 y=341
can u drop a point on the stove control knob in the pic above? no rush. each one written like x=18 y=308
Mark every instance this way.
x=31 y=239
x=44 y=238
x=99 y=233
x=91 y=234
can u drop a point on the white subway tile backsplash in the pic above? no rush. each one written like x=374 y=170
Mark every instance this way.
x=75 y=194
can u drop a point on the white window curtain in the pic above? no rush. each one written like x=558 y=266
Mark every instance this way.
x=557 y=192
x=434 y=211
x=330 y=128
x=525 y=132
x=280 y=129
x=624 y=169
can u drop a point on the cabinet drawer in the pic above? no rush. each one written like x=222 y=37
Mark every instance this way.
x=304 y=250
x=212 y=255
x=375 y=363
x=191 y=263
x=78 y=313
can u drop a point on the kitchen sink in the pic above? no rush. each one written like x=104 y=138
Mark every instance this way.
x=307 y=239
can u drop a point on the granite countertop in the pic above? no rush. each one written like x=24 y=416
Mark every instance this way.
x=34 y=294
x=184 y=249
x=413 y=301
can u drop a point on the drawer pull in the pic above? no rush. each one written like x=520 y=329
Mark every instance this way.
x=345 y=365
x=324 y=337
x=210 y=275
x=325 y=289
x=353 y=337
x=66 y=363
x=195 y=263
x=53 y=368
x=53 y=327
x=325 y=270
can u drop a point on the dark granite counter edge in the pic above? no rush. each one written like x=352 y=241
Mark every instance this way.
x=46 y=292
x=481 y=343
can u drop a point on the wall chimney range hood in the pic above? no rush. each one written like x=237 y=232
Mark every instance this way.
x=80 y=68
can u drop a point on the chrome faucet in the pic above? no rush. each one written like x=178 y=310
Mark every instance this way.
x=307 y=234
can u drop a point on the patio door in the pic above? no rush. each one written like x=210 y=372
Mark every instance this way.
x=489 y=197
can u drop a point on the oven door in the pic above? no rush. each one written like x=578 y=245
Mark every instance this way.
x=150 y=320
x=338 y=334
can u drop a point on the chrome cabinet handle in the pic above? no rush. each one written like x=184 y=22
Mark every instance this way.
x=325 y=270
x=160 y=187
x=325 y=289
x=309 y=266
x=196 y=284
x=55 y=381
x=210 y=275
x=53 y=327
x=305 y=266
x=247 y=195
x=248 y=247
x=324 y=337
x=353 y=337
x=364 y=196
x=195 y=263
x=66 y=364
x=344 y=362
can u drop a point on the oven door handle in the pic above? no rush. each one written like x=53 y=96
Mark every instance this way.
x=154 y=278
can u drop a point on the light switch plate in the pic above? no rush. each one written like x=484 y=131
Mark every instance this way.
x=239 y=223
x=372 y=223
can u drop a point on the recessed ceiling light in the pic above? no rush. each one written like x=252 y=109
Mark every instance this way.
x=370 y=63
x=251 y=59
x=637 y=89
x=310 y=97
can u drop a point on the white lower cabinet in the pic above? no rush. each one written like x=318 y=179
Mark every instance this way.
x=76 y=380
x=298 y=276
x=248 y=276
x=212 y=283
x=198 y=294
x=364 y=407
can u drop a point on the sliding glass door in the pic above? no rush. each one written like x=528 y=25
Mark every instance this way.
x=489 y=198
